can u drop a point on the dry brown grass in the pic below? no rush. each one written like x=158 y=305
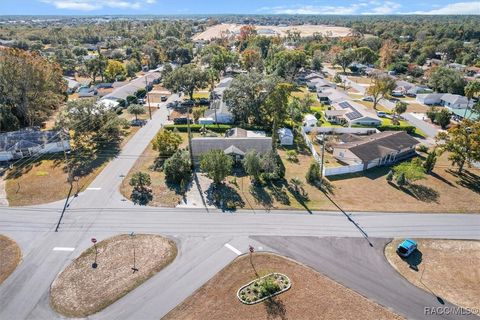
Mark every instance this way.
x=163 y=196
x=447 y=269
x=80 y=290
x=10 y=257
x=312 y=295
x=45 y=179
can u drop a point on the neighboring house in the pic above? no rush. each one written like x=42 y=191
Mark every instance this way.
x=334 y=116
x=72 y=84
x=123 y=90
x=318 y=84
x=309 y=122
x=285 y=135
x=87 y=92
x=237 y=142
x=457 y=66
x=354 y=113
x=219 y=111
x=452 y=101
x=377 y=149
x=332 y=95
x=31 y=142
x=313 y=75
x=403 y=87
x=473 y=72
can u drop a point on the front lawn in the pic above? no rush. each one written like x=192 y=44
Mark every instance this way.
x=10 y=257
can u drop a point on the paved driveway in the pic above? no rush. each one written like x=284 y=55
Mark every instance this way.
x=353 y=263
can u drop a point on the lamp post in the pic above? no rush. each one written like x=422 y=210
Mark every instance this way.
x=94 y=264
x=134 y=268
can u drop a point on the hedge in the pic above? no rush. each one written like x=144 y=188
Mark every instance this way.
x=221 y=128
x=407 y=129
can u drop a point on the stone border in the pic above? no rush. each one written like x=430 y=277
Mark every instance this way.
x=269 y=296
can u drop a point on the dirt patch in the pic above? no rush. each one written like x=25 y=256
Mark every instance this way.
x=81 y=290
x=306 y=30
x=446 y=268
x=10 y=257
x=312 y=295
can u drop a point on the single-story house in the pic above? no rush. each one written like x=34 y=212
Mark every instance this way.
x=377 y=149
x=236 y=142
x=285 y=135
x=313 y=75
x=131 y=88
x=219 y=111
x=318 y=84
x=452 y=101
x=334 y=116
x=86 y=92
x=309 y=122
x=355 y=113
x=72 y=84
x=31 y=142
x=332 y=95
x=206 y=121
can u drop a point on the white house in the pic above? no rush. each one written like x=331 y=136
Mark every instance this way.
x=72 y=84
x=309 y=122
x=219 y=111
x=354 y=113
x=285 y=136
x=31 y=142
x=452 y=101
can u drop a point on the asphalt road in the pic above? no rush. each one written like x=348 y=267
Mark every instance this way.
x=353 y=263
x=101 y=212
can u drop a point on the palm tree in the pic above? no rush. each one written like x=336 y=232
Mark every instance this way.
x=471 y=89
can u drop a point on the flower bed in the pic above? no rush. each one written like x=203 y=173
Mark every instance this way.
x=263 y=288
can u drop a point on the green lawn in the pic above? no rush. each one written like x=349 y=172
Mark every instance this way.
x=200 y=95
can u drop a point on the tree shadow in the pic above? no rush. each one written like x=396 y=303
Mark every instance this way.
x=261 y=196
x=275 y=308
x=300 y=195
x=439 y=177
x=467 y=180
x=279 y=193
x=224 y=197
x=420 y=192
x=413 y=260
x=141 y=196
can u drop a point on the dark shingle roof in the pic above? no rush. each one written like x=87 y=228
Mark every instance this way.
x=380 y=144
x=27 y=138
x=203 y=145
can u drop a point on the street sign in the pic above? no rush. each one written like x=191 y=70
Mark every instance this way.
x=94 y=240
x=251 y=248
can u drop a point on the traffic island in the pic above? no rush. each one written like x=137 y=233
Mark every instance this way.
x=448 y=269
x=311 y=295
x=10 y=257
x=107 y=271
x=264 y=288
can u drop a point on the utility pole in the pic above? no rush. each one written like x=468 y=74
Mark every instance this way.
x=321 y=164
x=69 y=179
x=148 y=98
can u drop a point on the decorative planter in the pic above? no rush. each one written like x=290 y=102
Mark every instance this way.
x=259 y=289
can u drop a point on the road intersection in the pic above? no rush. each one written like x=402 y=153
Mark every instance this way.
x=202 y=238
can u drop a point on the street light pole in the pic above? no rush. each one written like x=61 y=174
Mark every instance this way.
x=94 y=264
x=148 y=98
x=135 y=269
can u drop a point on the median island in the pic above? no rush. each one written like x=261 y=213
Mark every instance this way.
x=102 y=275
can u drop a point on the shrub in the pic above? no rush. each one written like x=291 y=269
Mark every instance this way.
x=313 y=173
x=221 y=128
x=292 y=156
x=422 y=148
x=178 y=168
x=407 y=129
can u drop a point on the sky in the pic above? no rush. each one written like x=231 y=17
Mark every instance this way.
x=160 y=7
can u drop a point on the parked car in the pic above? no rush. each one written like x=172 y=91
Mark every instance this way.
x=138 y=123
x=397 y=94
x=163 y=98
x=181 y=121
x=188 y=103
x=203 y=102
x=367 y=98
x=406 y=248
x=381 y=114
x=141 y=101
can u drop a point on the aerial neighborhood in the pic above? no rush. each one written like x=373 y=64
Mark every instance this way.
x=292 y=164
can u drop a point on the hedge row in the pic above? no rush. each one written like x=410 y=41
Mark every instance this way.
x=407 y=129
x=221 y=128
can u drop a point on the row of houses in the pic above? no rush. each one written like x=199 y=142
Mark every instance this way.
x=452 y=101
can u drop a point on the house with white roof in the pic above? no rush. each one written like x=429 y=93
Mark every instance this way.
x=219 y=111
x=452 y=101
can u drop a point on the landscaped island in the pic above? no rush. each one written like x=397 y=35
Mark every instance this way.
x=83 y=289
x=264 y=288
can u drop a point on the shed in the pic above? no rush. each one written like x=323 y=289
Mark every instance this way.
x=309 y=122
x=285 y=135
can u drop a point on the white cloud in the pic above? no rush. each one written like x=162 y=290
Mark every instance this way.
x=363 y=7
x=455 y=8
x=89 y=5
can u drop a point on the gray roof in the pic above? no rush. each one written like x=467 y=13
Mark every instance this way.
x=234 y=150
x=27 y=138
x=205 y=144
x=454 y=98
x=379 y=145
x=132 y=87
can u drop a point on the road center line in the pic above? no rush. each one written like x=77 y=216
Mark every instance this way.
x=63 y=249
x=235 y=250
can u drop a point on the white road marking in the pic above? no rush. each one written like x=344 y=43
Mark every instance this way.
x=235 y=250
x=63 y=249
x=94 y=188
x=260 y=248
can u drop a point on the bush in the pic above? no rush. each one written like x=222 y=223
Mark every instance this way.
x=407 y=129
x=313 y=173
x=292 y=156
x=142 y=92
x=422 y=148
x=178 y=168
x=221 y=128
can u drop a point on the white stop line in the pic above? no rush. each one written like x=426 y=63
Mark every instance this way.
x=63 y=249
x=235 y=250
